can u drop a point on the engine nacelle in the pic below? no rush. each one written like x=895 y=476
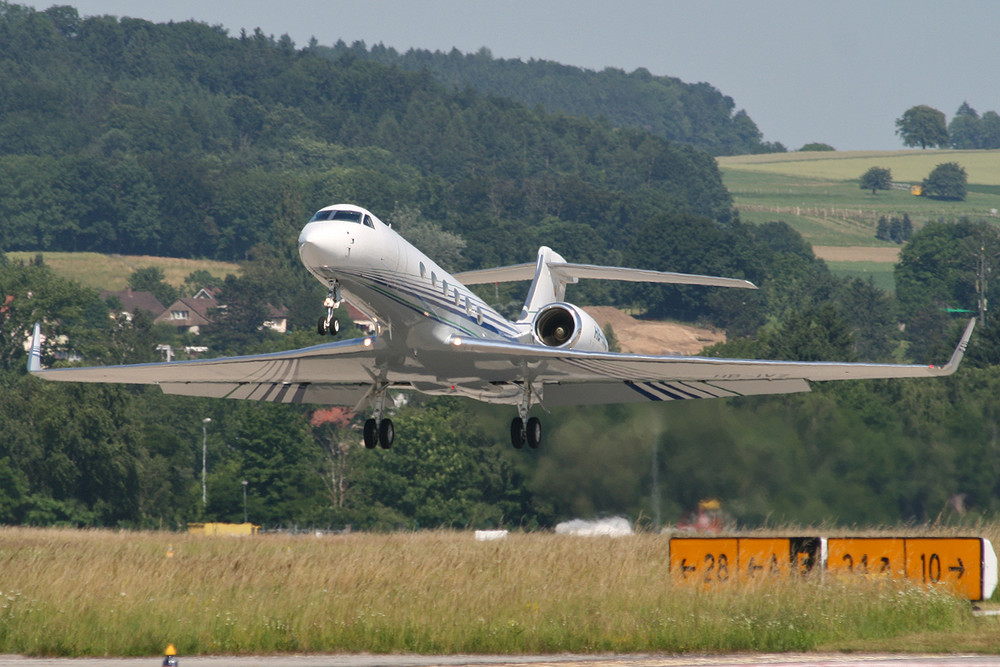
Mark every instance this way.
x=565 y=325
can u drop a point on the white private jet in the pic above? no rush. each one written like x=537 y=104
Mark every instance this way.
x=435 y=336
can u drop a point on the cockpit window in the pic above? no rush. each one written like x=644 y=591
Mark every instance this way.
x=349 y=216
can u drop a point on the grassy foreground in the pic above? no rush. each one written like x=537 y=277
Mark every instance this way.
x=104 y=593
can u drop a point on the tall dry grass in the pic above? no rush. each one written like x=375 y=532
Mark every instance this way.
x=102 y=593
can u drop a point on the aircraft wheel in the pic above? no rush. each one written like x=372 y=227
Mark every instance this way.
x=334 y=326
x=321 y=326
x=534 y=432
x=517 y=432
x=371 y=433
x=386 y=433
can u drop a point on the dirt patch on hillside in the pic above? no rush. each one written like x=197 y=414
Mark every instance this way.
x=642 y=337
x=833 y=253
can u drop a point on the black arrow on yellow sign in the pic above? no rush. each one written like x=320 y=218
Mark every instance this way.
x=960 y=569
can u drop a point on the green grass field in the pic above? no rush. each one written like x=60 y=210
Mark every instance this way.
x=817 y=193
x=117 y=593
x=112 y=272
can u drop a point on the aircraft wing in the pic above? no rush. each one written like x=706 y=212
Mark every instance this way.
x=339 y=373
x=571 y=377
x=571 y=273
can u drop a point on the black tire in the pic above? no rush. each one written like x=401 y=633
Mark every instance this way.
x=534 y=432
x=517 y=433
x=371 y=434
x=386 y=433
x=321 y=326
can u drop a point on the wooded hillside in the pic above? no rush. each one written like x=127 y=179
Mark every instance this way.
x=696 y=114
x=120 y=135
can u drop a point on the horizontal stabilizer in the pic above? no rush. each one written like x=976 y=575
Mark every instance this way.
x=570 y=273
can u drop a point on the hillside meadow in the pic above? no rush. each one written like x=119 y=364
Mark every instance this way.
x=817 y=193
x=109 y=593
x=112 y=272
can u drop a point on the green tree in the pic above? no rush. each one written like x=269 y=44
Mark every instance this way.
x=882 y=229
x=152 y=279
x=946 y=181
x=817 y=147
x=922 y=126
x=990 y=128
x=965 y=129
x=876 y=178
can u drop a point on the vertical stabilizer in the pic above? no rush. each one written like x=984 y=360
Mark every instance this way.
x=547 y=287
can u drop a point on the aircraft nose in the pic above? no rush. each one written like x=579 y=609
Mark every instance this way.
x=323 y=244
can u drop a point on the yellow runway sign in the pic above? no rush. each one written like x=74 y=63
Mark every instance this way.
x=967 y=564
x=954 y=561
x=863 y=555
x=720 y=559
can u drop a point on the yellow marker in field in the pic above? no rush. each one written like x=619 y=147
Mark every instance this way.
x=169 y=656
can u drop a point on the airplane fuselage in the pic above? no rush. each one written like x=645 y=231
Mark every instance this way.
x=417 y=306
x=386 y=276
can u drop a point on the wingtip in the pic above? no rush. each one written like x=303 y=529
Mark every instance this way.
x=35 y=355
x=956 y=356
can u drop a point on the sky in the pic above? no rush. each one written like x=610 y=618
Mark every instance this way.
x=805 y=71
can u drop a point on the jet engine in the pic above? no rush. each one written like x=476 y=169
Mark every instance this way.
x=565 y=325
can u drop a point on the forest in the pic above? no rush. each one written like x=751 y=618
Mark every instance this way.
x=124 y=136
x=696 y=114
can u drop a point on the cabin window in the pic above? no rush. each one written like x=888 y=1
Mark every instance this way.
x=423 y=270
x=479 y=315
x=444 y=287
x=434 y=279
x=458 y=299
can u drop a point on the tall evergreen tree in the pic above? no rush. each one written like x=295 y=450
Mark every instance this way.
x=965 y=129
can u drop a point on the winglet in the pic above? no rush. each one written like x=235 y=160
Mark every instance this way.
x=956 y=356
x=35 y=355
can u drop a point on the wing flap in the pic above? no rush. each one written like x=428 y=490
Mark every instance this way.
x=599 y=393
x=272 y=392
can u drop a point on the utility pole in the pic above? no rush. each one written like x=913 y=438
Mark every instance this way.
x=656 y=485
x=204 y=458
x=244 y=483
x=982 y=274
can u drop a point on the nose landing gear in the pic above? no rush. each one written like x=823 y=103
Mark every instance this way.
x=330 y=324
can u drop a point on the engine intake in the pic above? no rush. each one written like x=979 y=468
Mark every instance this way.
x=565 y=325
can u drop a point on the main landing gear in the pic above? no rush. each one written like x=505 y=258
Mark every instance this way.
x=378 y=431
x=523 y=429
x=521 y=432
x=330 y=324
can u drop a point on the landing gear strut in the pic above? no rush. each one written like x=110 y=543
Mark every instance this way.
x=378 y=431
x=523 y=429
x=330 y=324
